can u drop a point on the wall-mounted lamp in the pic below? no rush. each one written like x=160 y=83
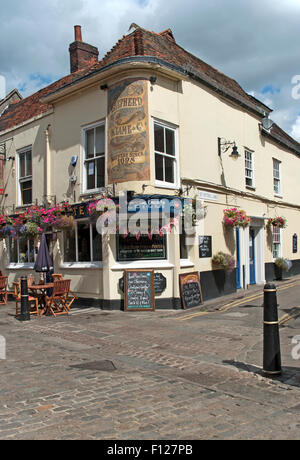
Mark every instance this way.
x=104 y=87
x=152 y=80
x=224 y=146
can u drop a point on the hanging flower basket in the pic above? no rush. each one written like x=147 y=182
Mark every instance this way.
x=224 y=261
x=30 y=230
x=64 y=223
x=235 y=217
x=280 y=222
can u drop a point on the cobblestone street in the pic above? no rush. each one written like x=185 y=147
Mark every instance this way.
x=163 y=375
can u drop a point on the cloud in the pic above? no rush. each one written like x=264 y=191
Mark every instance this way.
x=254 y=42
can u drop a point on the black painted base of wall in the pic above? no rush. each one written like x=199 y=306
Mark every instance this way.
x=271 y=274
x=104 y=304
x=217 y=283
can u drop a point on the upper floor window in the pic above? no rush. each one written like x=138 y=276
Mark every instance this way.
x=94 y=157
x=25 y=177
x=166 y=155
x=277 y=176
x=249 y=168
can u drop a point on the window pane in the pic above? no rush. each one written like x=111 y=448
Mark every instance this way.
x=100 y=172
x=23 y=251
x=69 y=246
x=89 y=143
x=159 y=138
x=97 y=246
x=30 y=252
x=100 y=140
x=13 y=251
x=84 y=242
x=91 y=175
x=159 y=167
x=26 y=192
x=184 y=254
x=169 y=170
x=170 y=142
x=22 y=165
x=28 y=164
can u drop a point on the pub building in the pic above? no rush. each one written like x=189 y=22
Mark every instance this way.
x=151 y=119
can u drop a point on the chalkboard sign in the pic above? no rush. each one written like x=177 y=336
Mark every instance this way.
x=190 y=288
x=160 y=283
x=139 y=290
x=295 y=243
x=205 y=247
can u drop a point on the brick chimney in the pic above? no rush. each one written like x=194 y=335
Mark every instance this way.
x=81 y=54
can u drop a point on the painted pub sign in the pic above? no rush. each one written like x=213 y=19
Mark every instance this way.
x=128 y=138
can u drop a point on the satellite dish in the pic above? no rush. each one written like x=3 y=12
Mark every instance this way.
x=267 y=123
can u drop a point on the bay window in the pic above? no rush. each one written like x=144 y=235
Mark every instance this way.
x=82 y=244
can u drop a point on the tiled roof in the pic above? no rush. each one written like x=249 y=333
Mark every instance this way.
x=141 y=42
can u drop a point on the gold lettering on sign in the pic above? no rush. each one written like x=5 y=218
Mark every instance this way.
x=128 y=137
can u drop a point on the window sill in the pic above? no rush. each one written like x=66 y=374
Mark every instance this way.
x=166 y=185
x=20 y=266
x=81 y=265
x=250 y=187
x=91 y=193
x=278 y=196
x=142 y=264
x=186 y=263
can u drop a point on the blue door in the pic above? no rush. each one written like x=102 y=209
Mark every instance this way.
x=238 y=260
x=252 y=255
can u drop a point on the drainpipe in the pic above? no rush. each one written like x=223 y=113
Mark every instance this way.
x=48 y=166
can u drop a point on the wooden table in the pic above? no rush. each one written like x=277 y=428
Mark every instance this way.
x=40 y=291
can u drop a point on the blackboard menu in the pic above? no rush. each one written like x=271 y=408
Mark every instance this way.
x=139 y=290
x=295 y=243
x=160 y=283
x=190 y=288
x=205 y=247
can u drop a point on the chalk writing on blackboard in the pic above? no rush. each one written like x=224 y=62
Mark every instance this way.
x=205 y=247
x=139 y=290
x=190 y=289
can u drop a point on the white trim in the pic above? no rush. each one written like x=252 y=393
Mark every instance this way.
x=20 y=266
x=81 y=265
x=142 y=264
x=186 y=263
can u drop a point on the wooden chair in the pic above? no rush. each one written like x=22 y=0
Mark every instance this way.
x=57 y=303
x=3 y=290
x=33 y=301
x=71 y=297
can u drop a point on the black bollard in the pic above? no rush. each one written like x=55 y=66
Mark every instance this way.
x=272 y=358
x=25 y=313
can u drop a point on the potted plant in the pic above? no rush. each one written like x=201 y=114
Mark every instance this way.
x=282 y=265
x=224 y=261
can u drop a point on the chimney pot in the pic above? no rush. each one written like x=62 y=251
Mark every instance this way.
x=78 y=34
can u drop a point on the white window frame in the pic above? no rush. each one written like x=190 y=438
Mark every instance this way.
x=85 y=190
x=276 y=231
x=25 y=178
x=250 y=164
x=277 y=177
x=19 y=264
x=175 y=158
x=77 y=263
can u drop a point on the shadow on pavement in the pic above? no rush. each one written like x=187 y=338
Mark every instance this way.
x=290 y=375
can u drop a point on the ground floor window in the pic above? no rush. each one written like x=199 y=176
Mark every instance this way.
x=276 y=242
x=21 y=250
x=82 y=244
x=144 y=248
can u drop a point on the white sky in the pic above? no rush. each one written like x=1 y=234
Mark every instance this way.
x=256 y=42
